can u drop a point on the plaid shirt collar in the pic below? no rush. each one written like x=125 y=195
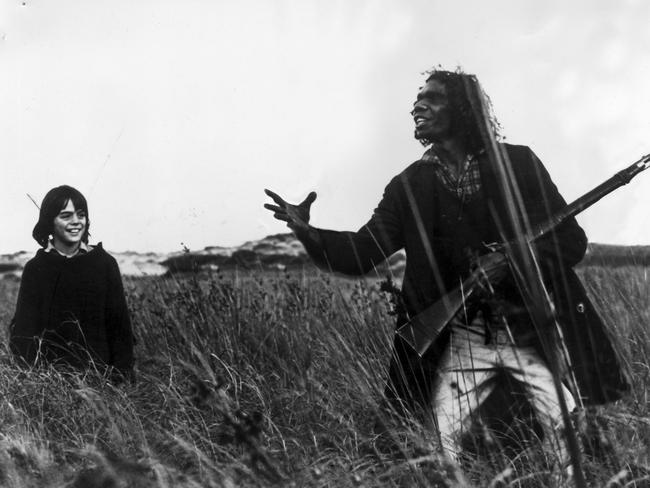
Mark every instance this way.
x=466 y=184
x=82 y=249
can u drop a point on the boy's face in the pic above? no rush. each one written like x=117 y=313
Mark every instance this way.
x=69 y=225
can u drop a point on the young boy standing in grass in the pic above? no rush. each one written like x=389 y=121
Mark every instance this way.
x=71 y=308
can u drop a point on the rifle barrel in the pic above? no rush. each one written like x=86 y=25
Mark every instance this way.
x=621 y=178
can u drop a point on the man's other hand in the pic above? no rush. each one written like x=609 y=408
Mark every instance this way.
x=296 y=216
x=491 y=268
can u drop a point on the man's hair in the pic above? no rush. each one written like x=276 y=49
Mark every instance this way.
x=55 y=201
x=467 y=102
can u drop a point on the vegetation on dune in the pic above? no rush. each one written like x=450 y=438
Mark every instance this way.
x=284 y=251
x=276 y=379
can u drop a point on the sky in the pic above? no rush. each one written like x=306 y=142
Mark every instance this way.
x=173 y=116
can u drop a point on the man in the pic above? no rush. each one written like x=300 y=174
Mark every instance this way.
x=442 y=210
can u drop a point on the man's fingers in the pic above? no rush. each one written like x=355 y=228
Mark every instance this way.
x=309 y=200
x=296 y=216
x=282 y=203
x=283 y=216
x=276 y=198
x=273 y=208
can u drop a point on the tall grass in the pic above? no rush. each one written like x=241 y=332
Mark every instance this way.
x=269 y=379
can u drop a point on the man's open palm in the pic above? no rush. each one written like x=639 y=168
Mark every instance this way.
x=296 y=216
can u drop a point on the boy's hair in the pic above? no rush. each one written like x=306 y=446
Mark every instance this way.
x=55 y=201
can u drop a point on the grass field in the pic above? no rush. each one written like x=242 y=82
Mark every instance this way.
x=249 y=379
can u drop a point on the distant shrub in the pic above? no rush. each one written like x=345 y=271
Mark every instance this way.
x=616 y=256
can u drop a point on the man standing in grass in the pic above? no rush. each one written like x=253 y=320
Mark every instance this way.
x=442 y=210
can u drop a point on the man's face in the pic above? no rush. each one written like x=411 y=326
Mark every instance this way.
x=69 y=225
x=431 y=112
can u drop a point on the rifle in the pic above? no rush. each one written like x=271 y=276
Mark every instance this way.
x=422 y=330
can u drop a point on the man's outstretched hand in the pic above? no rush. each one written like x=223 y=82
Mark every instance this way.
x=491 y=269
x=296 y=216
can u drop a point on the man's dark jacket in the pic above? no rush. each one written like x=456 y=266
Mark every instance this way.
x=418 y=213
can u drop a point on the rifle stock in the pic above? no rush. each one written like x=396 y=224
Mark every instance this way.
x=421 y=331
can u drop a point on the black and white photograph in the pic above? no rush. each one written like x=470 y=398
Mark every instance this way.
x=299 y=243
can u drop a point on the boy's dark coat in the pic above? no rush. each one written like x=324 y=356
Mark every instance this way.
x=71 y=310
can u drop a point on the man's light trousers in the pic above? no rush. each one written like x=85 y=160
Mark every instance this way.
x=468 y=369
